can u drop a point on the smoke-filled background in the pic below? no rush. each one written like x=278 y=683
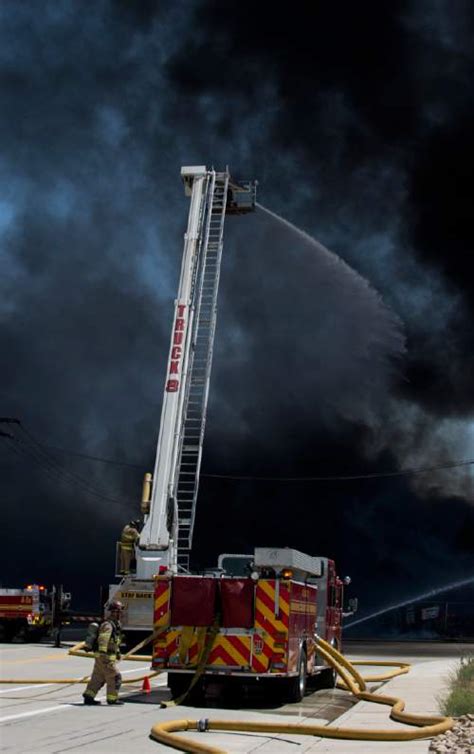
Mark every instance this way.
x=357 y=121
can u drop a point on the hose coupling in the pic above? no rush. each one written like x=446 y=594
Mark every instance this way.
x=203 y=725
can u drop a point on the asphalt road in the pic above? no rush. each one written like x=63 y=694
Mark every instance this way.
x=51 y=719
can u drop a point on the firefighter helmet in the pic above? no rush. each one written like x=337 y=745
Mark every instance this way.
x=115 y=605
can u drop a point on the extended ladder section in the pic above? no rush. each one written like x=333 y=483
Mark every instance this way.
x=170 y=509
x=200 y=364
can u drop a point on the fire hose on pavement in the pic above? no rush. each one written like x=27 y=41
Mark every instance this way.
x=164 y=732
x=428 y=725
x=78 y=651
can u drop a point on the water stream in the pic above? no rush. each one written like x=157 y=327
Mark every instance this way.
x=425 y=595
x=366 y=295
x=305 y=236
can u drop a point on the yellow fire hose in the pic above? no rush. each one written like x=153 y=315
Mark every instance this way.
x=201 y=665
x=428 y=725
x=77 y=651
x=68 y=681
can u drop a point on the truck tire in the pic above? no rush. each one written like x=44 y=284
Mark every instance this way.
x=297 y=686
x=8 y=631
x=178 y=683
x=324 y=679
x=197 y=695
x=331 y=678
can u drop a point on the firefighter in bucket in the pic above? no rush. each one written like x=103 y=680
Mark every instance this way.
x=128 y=539
x=107 y=652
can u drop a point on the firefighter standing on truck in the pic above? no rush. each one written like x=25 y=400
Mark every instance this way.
x=106 y=655
x=128 y=538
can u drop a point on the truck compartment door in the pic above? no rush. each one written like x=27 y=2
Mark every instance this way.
x=193 y=601
x=237 y=596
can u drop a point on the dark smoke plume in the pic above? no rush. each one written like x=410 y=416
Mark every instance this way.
x=358 y=132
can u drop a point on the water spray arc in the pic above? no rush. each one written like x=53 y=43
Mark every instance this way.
x=425 y=595
x=304 y=236
x=358 y=309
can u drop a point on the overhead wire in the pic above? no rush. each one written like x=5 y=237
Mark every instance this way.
x=344 y=477
x=89 y=457
x=31 y=448
x=58 y=476
x=249 y=477
x=331 y=478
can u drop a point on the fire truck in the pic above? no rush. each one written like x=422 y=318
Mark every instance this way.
x=261 y=610
x=25 y=613
x=254 y=618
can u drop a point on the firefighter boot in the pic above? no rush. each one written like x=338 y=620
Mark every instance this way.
x=117 y=702
x=90 y=700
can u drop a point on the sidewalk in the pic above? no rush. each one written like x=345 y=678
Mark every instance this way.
x=419 y=689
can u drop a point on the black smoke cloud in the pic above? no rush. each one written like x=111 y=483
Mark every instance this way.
x=356 y=121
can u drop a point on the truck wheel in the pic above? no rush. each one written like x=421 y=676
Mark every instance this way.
x=197 y=695
x=178 y=683
x=23 y=634
x=8 y=633
x=297 y=686
x=325 y=679
x=331 y=677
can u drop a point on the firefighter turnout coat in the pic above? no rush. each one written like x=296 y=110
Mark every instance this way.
x=128 y=539
x=105 y=669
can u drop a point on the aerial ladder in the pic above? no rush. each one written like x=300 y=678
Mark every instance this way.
x=170 y=493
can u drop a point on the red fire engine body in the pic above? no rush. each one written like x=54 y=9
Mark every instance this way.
x=24 y=611
x=258 y=626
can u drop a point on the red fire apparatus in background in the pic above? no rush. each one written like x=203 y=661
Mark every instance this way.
x=254 y=618
x=25 y=612
x=33 y=612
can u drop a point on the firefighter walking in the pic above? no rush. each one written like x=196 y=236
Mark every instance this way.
x=105 y=670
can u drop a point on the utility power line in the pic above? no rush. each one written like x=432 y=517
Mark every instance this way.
x=344 y=478
x=27 y=446
x=88 y=457
x=255 y=478
x=334 y=478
